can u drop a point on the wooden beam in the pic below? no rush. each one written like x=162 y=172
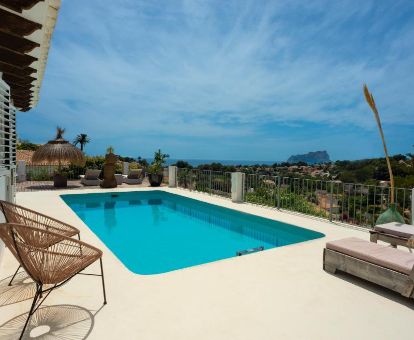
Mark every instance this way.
x=18 y=71
x=18 y=79
x=14 y=24
x=23 y=107
x=11 y=80
x=21 y=88
x=16 y=59
x=19 y=5
x=17 y=43
x=22 y=98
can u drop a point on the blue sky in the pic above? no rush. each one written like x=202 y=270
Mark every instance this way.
x=242 y=80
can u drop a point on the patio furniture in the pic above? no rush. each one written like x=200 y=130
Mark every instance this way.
x=134 y=177
x=14 y=213
x=394 y=233
x=55 y=265
x=91 y=177
x=380 y=264
x=119 y=179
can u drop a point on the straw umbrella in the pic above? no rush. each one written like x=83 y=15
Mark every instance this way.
x=59 y=151
x=391 y=214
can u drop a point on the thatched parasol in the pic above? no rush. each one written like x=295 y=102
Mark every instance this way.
x=58 y=151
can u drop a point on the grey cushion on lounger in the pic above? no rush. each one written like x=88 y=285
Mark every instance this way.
x=380 y=255
x=397 y=229
x=92 y=174
x=134 y=174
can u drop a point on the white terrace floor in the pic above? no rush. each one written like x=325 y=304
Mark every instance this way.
x=282 y=293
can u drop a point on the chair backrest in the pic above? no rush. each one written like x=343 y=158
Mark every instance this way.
x=62 y=258
x=27 y=245
x=14 y=213
x=135 y=174
x=92 y=174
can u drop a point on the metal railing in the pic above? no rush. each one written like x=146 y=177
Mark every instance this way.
x=40 y=177
x=208 y=181
x=45 y=172
x=356 y=204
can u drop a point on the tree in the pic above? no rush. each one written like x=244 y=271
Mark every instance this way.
x=26 y=145
x=160 y=157
x=142 y=161
x=158 y=162
x=82 y=139
x=183 y=164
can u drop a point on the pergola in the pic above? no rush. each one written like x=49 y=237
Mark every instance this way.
x=26 y=28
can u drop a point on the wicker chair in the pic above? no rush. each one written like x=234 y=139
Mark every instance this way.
x=14 y=213
x=55 y=265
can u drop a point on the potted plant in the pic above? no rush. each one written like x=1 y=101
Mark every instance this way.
x=156 y=169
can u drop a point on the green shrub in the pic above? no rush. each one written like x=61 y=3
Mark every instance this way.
x=39 y=175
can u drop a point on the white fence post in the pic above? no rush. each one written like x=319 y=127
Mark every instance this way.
x=21 y=171
x=125 y=168
x=412 y=206
x=237 y=186
x=172 y=176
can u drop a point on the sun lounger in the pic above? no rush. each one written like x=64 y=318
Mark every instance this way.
x=134 y=177
x=396 y=234
x=91 y=177
x=380 y=264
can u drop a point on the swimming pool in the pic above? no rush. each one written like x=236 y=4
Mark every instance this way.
x=153 y=232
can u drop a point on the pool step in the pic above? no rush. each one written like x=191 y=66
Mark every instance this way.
x=249 y=251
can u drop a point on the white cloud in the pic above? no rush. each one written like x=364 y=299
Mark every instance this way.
x=219 y=68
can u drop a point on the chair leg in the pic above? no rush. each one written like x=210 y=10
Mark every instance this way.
x=103 y=280
x=10 y=283
x=35 y=299
x=80 y=246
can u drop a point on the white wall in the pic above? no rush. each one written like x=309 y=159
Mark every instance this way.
x=4 y=181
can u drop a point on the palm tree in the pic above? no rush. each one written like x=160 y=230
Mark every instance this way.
x=82 y=139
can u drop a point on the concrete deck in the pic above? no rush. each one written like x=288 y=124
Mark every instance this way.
x=282 y=293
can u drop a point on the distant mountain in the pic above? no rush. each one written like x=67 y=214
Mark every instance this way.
x=316 y=157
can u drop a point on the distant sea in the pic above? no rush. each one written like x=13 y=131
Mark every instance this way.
x=196 y=162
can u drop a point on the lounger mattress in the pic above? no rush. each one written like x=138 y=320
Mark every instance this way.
x=384 y=256
x=397 y=229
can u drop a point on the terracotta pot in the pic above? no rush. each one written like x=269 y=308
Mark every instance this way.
x=155 y=179
x=60 y=181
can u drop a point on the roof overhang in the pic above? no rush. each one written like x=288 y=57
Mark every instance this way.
x=26 y=28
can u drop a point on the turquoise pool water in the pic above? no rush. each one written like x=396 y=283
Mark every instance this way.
x=154 y=232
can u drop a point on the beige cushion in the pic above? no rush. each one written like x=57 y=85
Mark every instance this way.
x=135 y=174
x=384 y=256
x=397 y=229
x=92 y=174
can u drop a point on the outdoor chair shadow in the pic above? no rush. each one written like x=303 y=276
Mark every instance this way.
x=51 y=322
x=376 y=289
x=23 y=288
